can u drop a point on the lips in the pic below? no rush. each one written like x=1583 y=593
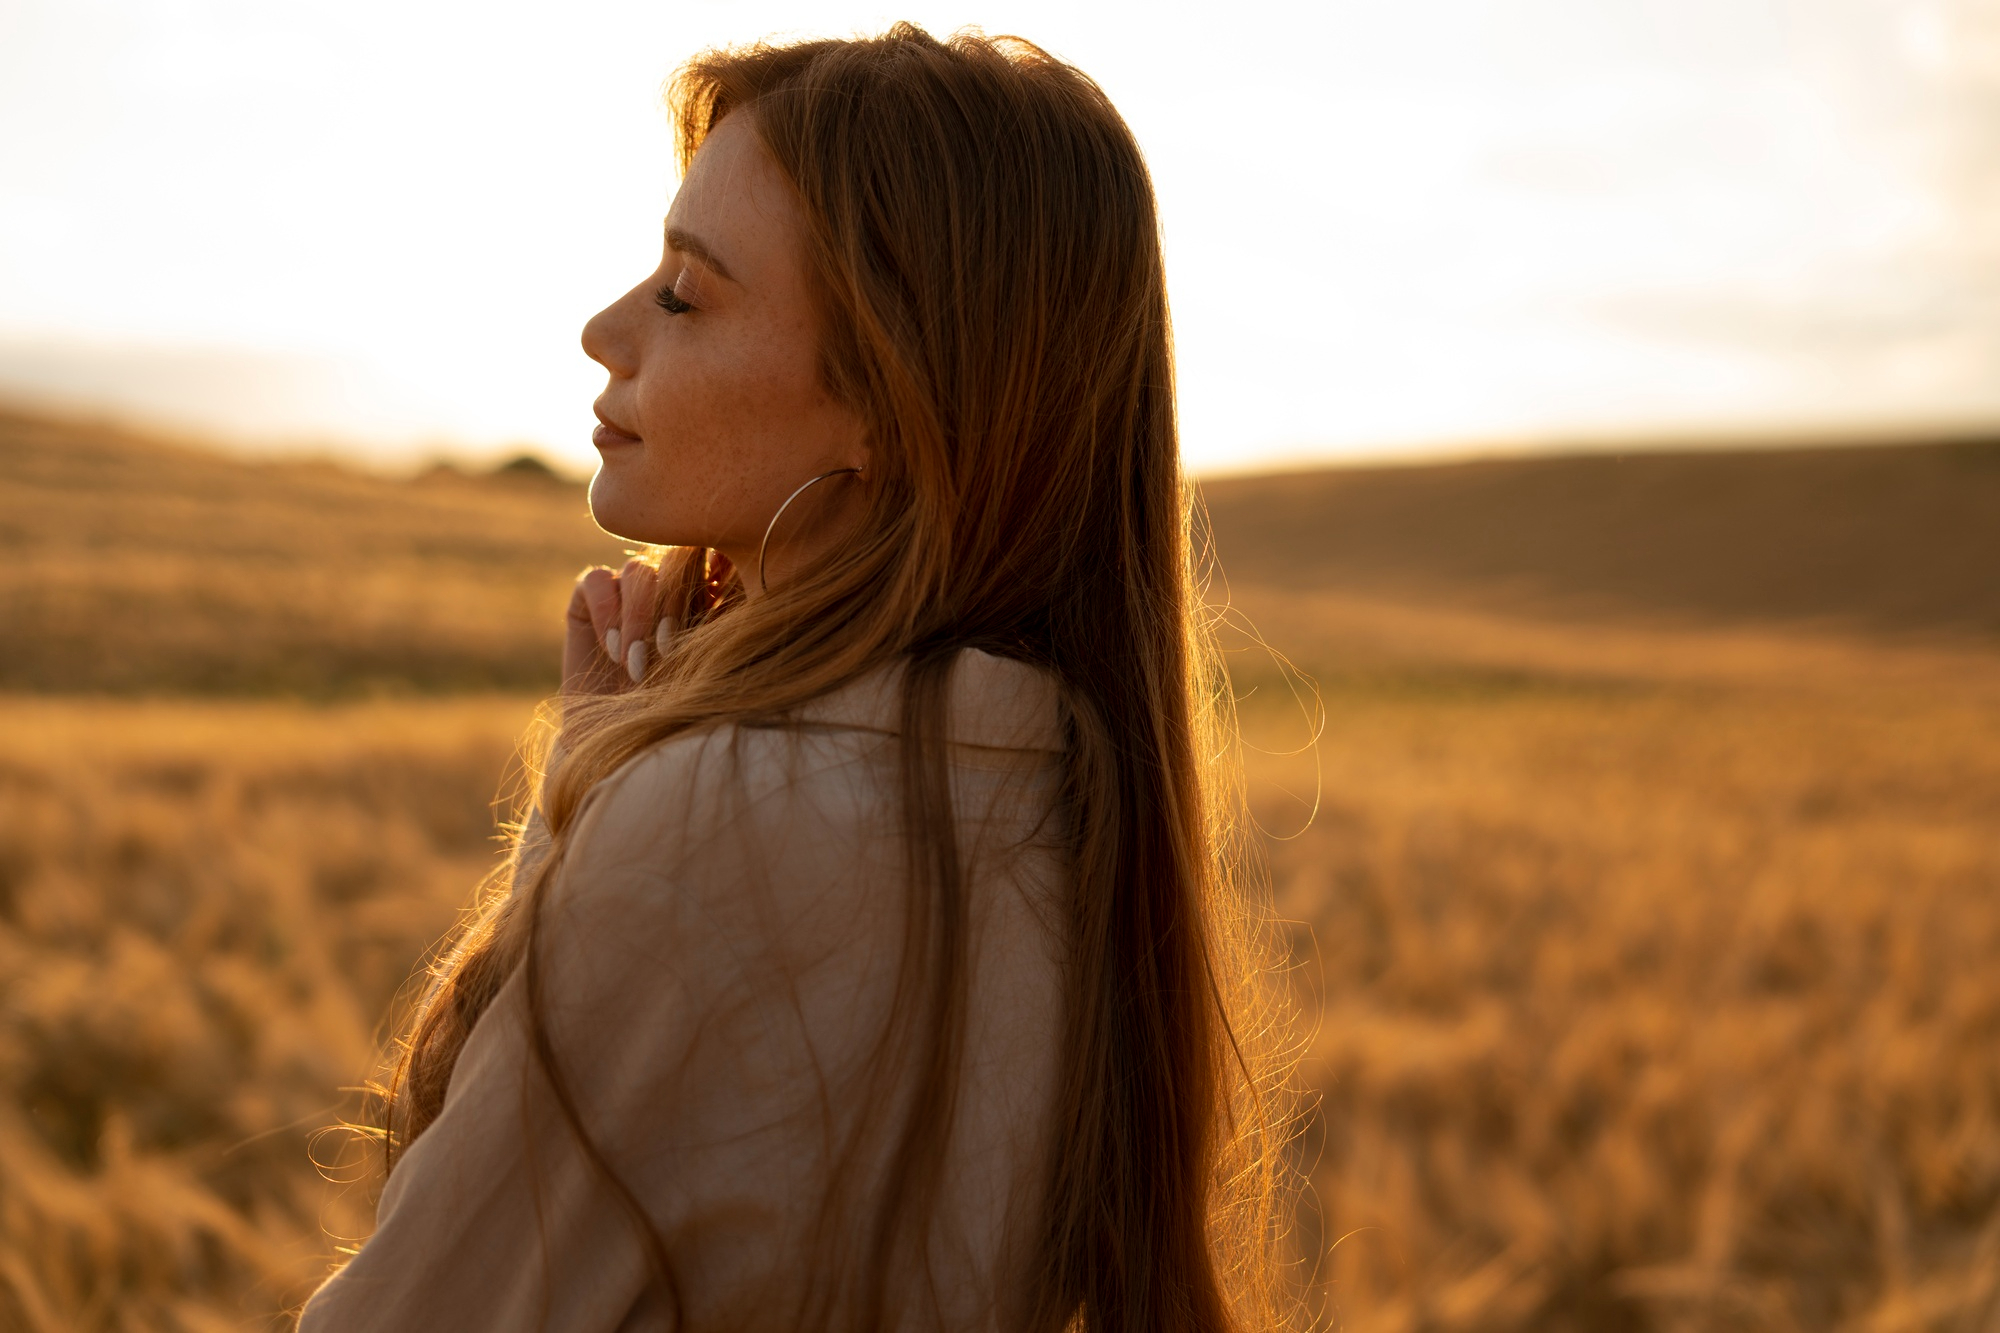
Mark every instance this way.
x=609 y=433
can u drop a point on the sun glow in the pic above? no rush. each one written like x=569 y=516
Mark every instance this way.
x=1388 y=227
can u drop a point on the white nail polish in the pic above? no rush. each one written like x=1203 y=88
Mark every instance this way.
x=611 y=643
x=635 y=661
x=663 y=637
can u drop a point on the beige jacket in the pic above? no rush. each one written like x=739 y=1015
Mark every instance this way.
x=721 y=946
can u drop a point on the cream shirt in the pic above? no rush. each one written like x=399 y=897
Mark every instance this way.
x=720 y=949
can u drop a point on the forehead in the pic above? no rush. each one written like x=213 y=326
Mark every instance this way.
x=735 y=198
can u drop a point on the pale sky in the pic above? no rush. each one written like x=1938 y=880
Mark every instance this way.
x=1404 y=225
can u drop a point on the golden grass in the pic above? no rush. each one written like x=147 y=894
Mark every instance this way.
x=136 y=566
x=1666 y=1003
x=1648 y=928
x=205 y=909
x=1633 y=1006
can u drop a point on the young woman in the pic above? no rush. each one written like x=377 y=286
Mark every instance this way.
x=870 y=960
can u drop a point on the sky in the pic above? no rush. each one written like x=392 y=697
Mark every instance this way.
x=1402 y=226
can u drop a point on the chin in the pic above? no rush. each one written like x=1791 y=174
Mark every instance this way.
x=612 y=510
x=635 y=512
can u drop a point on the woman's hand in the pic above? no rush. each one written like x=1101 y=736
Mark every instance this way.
x=615 y=630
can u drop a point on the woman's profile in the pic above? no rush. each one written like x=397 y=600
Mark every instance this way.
x=870 y=959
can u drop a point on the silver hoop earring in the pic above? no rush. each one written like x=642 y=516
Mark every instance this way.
x=772 y=526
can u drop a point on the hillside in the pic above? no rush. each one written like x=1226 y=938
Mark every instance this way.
x=133 y=564
x=1903 y=539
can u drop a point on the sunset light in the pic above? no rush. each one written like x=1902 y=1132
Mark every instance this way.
x=1399 y=733
x=1431 y=225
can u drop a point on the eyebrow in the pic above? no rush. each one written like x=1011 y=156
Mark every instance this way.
x=700 y=249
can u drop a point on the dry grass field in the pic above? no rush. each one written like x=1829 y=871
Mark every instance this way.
x=136 y=566
x=1646 y=924
x=206 y=908
x=1648 y=1003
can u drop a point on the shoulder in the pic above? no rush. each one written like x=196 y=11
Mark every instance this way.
x=716 y=863
x=994 y=702
x=803 y=804
x=719 y=795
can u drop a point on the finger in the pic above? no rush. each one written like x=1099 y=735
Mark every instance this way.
x=585 y=668
x=638 y=587
x=599 y=592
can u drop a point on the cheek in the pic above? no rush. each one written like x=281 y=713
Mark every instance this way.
x=744 y=387
x=738 y=412
x=695 y=393
x=732 y=418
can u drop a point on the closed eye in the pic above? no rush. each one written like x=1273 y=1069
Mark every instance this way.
x=669 y=302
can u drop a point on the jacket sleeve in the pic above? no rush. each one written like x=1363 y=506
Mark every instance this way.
x=488 y=1203
x=684 y=894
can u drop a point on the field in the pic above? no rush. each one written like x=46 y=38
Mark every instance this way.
x=1644 y=911
x=208 y=907
x=133 y=566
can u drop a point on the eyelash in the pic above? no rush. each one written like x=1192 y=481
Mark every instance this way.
x=667 y=301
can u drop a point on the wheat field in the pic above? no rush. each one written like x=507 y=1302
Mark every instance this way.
x=1643 y=1006
x=207 y=910
x=1648 y=969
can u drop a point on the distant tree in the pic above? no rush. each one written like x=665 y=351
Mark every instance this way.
x=527 y=467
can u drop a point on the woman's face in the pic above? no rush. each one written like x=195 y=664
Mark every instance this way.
x=716 y=411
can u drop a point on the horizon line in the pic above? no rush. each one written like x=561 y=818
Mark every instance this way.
x=416 y=455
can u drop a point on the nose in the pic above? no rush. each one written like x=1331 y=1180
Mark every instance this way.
x=606 y=343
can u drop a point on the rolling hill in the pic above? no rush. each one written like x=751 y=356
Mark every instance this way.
x=1885 y=539
x=136 y=564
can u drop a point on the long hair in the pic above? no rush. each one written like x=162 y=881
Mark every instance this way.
x=984 y=251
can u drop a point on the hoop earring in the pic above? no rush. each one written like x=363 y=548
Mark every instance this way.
x=772 y=526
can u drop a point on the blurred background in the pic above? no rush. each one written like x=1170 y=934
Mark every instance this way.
x=1597 y=412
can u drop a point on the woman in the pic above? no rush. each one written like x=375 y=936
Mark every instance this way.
x=869 y=961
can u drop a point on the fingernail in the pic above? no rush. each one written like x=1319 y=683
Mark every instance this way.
x=663 y=637
x=635 y=661
x=611 y=643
